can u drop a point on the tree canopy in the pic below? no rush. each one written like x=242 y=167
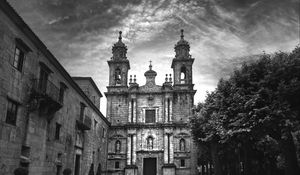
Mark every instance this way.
x=255 y=111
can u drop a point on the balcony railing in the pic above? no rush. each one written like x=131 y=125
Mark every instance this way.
x=47 y=94
x=47 y=88
x=84 y=122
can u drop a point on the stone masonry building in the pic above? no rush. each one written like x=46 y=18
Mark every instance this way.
x=48 y=120
x=149 y=133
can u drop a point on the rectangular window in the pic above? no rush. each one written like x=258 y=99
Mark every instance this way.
x=18 y=59
x=62 y=92
x=82 y=107
x=57 y=131
x=117 y=165
x=94 y=99
x=11 y=113
x=43 y=80
x=182 y=163
x=150 y=116
x=95 y=124
x=103 y=132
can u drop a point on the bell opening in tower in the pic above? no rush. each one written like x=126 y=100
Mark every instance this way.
x=118 y=76
x=182 y=75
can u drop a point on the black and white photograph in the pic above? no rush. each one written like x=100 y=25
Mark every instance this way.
x=149 y=87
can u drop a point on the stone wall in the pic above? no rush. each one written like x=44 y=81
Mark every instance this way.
x=182 y=105
x=34 y=131
x=87 y=87
x=117 y=109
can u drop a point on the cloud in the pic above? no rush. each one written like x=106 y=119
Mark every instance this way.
x=222 y=34
x=59 y=19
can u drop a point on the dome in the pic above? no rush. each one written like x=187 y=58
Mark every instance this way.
x=182 y=42
x=119 y=49
x=150 y=72
x=119 y=43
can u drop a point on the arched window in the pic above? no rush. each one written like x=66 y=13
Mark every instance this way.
x=183 y=75
x=150 y=143
x=118 y=76
x=118 y=146
x=182 y=145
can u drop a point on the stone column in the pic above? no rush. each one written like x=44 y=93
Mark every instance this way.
x=171 y=149
x=171 y=107
x=166 y=149
x=156 y=115
x=134 y=111
x=134 y=150
x=129 y=111
x=128 y=149
x=169 y=167
x=131 y=168
x=166 y=110
x=143 y=116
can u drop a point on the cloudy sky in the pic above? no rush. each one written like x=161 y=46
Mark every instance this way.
x=222 y=34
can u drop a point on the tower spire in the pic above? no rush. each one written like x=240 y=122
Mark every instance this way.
x=150 y=66
x=120 y=35
x=182 y=36
x=119 y=49
x=182 y=47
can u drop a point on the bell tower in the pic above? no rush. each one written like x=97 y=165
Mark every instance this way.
x=118 y=65
x=183 y=96
x=182 y=65
x=116 y=95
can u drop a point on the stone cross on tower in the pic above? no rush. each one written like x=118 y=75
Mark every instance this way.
x=120 y=35
x=182 y=36
x=150 y=66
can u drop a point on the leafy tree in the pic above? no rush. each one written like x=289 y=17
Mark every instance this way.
x=253 y=116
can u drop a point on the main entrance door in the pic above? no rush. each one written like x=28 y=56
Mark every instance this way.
x=149 y=166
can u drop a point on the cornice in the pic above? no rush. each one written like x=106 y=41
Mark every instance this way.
x=152 y=125
x=181 y=60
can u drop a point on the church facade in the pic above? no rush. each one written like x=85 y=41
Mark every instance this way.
x=149 y=133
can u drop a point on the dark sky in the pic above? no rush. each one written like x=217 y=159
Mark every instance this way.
x=222 y=34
